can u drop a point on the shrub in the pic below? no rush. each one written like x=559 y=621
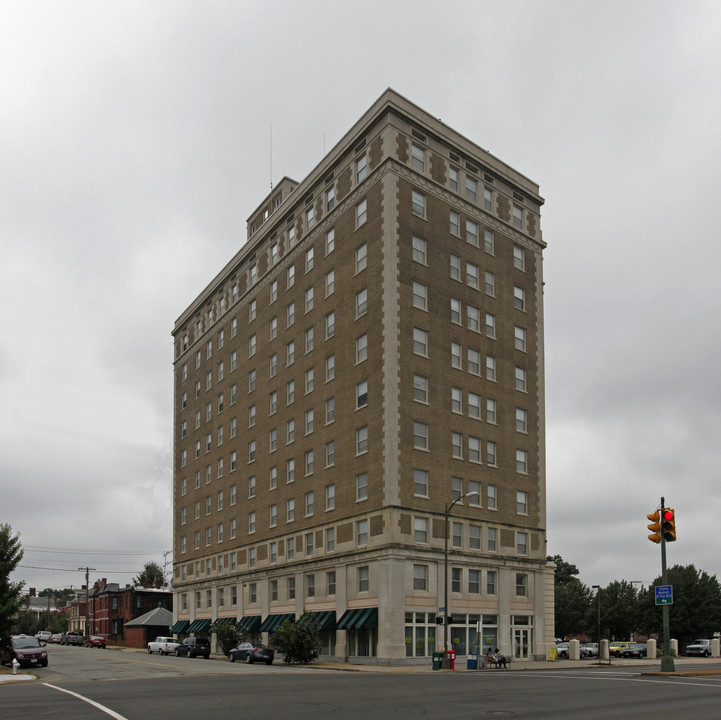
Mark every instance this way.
x=230 y=636
x=298 y=641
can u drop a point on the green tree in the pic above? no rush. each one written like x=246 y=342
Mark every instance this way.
x=696 y=608
x=620 y=610
x=299 y=641
x=229 y=636
x=11 y=553
x=152 y=575
x=572 y=600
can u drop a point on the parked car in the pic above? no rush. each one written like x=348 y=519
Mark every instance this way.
x=699 y=647
x=163 y=645
x=95 y=641
x=71 y=638
x=252 y=653
x=589 y=650
x=194 y=646
x=55 y=638
x=616 y=648
x=26 y=649
x=562 y=650
x=637 y=650
x=43 y=635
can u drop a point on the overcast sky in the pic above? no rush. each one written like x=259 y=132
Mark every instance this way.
x=135 y=142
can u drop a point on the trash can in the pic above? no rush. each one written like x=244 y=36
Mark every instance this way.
x=472 y=662
x=452 y=659
x=437 y=660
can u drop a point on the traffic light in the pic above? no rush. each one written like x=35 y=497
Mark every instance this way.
x=669 y=525
x=655 y=526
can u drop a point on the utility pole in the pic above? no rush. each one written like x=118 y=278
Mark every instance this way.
x=87 y=603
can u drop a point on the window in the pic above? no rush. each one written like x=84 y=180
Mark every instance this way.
x=520 y=379
x=363 y=579
x=290 y=274
x=361 y=348
x=420 y=250
x=457 y=535
x=361 y=168
x=290 y=392
x=474 y=487
x=290 y=353
x=490 y=284
x=361 y=487
x=471 y=189
x=455 y=262
x=420 y=577
x=329 y=199
x=519 y=298
x=453 y=178
x=309 y=503
x=492 y=497
x=489 y=242
x=361 y=532
x=456 y=356
x=521 y=502
x=329 y=410
x=330 y=497
x=418 y=204
x=309 y=421
x=290 y=510
x=490 y=325
x=474 y=405
x=309 y=380
x=251 y=522
x=521 y=584
x=310 y=217
x=491 y=411
x=420 y=342
x=291 y=588
x=420 y=436
x=474 y=537
x=420 y=530
x=456 y=400
x=520 y=338
x=329 y=547
x=455 y=311
x=251 y=381
x=273 y=292
x=474 y=582
x=329 y=368
x=309 y=299
x=454 y=223
x=522 y=462
x=273 y=590
x=420 y=388
x=473 y=318
x=252 y=345
x=361 y=213
x=273 y=515
x=361 y=393
x=291 y=236
x=519 y=258
x=290 y=431
x=251 y=486
x=474 y=449
x=490 y=582
x=420 y=483
x=329 y=283
x=420 y=296
x=361 y=258
x=490 y=368
x=309 y=259
x=472 y=276
x=273 y=365
x=273 y=402
x=251 y=416
x=457 y=445
x=456 y=578
x=251 y=451
x=361 y=440
x=521 y=420
x=330 y=453
x=487 y=199
x=418 y=158
x=290 y=470
x=361 y=302
x=518 y=216
x=310 y=583
x=472 y=233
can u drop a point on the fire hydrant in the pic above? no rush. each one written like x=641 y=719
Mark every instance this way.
x=15 y=665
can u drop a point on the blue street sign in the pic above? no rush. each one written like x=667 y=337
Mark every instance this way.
x=664 y=594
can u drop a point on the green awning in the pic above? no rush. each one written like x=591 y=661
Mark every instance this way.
x=359 y=619
x=273 y=621
x=180 y=627
x=199 y=626
x=325 y=619
x=251 y=623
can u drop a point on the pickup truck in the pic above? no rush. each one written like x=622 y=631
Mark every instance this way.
x=72 y=638
x=163 y=645
x=699 y=647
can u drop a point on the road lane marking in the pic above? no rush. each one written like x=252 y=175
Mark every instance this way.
x=97 y=705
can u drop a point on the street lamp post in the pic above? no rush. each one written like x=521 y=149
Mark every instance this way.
x=598 y=596
x=445 y=569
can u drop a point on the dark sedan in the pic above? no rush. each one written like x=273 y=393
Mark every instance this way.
x=252 y=653
x=26 y=650
x=635 y=650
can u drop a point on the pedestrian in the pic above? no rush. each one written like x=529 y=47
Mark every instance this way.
x=490 y=659
x=500 y=660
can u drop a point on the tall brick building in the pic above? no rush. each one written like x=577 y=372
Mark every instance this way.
x=372 y=353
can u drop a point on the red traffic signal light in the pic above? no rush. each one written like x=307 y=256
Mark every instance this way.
x=669 y=525
x=655 y=526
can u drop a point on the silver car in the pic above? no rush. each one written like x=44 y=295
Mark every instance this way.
x=699 y=647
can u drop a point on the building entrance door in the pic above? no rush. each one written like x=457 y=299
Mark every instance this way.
x=521 y=643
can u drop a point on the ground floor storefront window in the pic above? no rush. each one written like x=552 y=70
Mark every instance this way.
x=421 y=633
x=362 y=643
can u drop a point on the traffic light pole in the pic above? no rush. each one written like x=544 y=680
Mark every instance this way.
x=667 y=664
